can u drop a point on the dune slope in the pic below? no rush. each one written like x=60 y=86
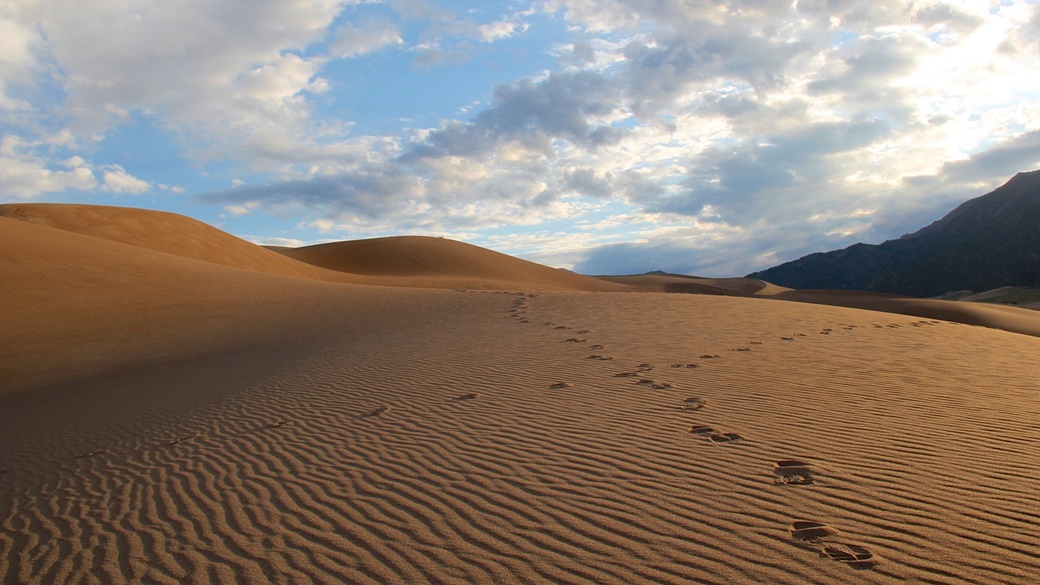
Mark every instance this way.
x=437 y=262
x=440 y=436
x=164 y=232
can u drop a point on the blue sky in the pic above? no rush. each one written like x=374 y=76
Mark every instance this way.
x=693 y=136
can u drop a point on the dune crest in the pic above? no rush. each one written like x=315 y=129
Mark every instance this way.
x=438 y=262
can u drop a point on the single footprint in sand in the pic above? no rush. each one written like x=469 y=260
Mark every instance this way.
x=793 y=472
x=599 y=357
x=469 y=396
x=561 y=327
x=92 y=453
x=280 y=423
x=810 y=531
x=574 y=340
x=626 y=374
x=710 y=356
x=597 y=346
x=787 y=338
x=703 y=430
x=754 y=343
x=654 y=384
x=584 y=332
x=560 y=385
x=741 y=349
x=694 y=404
x=851 y=554
x=689 y=365
x=181 y=439
x=725 y=437
x=644 y=367
x=377 y=411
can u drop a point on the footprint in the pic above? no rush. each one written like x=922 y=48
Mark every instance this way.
x=644 y=367
x=694 y=404
x=710 y=356
x=791 y=472
x=584 y=332
x=654 y=384
x=850 y=554
x=561 y=327
x=91 y=453
x=685 y=365
x=599 y=357
x=179 y=440
x=754 y=343
x=377 y=411
x=560 y=385
x=469 y=396
x=574 y=340
x=725 y=437
x=597 y=346
x=703 y=430
x=626 y=375
x=809 y=531
x=741 y=349
x=280 y=423
x=787 y=338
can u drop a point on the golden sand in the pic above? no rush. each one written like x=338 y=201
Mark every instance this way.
x=233 y=415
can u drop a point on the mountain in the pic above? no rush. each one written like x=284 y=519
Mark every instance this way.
x=985 y=243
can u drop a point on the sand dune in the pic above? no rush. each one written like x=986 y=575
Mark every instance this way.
x=160 y=231
x=439 y=263
x=401 y=261
x=1014 y=319
x=170 y=419
x=679 y=283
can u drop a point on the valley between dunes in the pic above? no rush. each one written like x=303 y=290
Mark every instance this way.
x=178 y=405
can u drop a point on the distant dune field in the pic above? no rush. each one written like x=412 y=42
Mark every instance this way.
x=178 y=405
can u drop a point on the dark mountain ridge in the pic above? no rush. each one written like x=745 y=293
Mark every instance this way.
x=985 y=243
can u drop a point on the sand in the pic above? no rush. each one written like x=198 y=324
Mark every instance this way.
x=170 y=419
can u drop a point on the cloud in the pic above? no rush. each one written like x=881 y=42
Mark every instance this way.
x=356 y=39
x=760 y=127
x=114 y=178
x=25 y=173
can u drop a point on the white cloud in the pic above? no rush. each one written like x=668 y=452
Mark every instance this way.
x=495 y=31
x=114 y=178
x=24 y=174
x=353 y=40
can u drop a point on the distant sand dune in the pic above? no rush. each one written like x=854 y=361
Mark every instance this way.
x=429 y=262
x=1015 y=319
x=169 y=418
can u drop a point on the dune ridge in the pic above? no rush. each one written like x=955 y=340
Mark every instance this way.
x=1015 y=319
x=439 y=263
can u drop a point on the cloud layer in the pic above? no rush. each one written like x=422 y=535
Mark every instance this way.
x=699 y=136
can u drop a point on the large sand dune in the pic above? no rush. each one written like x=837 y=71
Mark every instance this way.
x=439 y=263
x=170 y=419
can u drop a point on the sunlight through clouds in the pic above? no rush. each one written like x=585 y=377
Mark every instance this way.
x=592 y=134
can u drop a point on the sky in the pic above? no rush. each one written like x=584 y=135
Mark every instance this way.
x=607 y=137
